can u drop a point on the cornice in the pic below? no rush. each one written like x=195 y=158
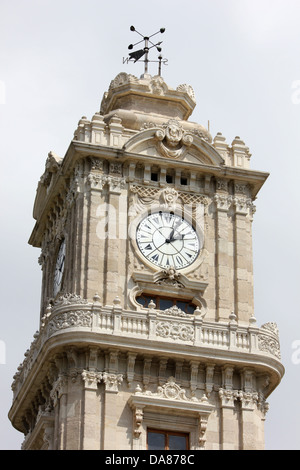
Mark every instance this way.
x=75 y=322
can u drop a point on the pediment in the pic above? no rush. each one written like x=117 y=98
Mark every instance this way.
x=171 y=141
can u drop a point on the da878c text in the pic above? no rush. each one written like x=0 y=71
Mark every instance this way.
x=171 y=459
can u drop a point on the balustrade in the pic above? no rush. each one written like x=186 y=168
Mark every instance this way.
x=75 y=314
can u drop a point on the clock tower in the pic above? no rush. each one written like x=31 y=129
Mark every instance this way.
x=147 y=338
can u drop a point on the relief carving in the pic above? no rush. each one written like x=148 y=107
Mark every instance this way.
x=172 y=139
x=174 y=330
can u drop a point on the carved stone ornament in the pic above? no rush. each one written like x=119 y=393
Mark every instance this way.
x=158 y=86
x=70 y=319
x=170 y=396
x=272 y=327
x=122 y=79
x=175 y=312
x=174 y=330
x=172 y=139
x=68 y=299
x=185 y=88
x=98 y=181
x=91 y=379
x=141 y=197
x=170 y=277
x=138 y=419
x=171 y=390
x=269 y=345
x=169 y=198
x=112 y=381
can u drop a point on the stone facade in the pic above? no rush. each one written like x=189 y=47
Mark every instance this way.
x=104 y=368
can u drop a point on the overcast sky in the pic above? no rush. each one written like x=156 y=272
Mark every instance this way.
x=242 y=58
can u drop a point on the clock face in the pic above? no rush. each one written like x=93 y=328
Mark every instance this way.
x=59 y=268
x=167 y=240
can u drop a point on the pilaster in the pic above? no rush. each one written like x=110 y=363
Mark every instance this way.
x=91 y=413
x=229 y=419
x=224 y=292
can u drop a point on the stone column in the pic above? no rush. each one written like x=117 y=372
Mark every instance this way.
x=59 y=397
x=243 y=285
x=223 y=271
x=91 y=415
x=113 y=408
x=229 y=420
x=251 y=423
x=116 y=238
x=95 y=240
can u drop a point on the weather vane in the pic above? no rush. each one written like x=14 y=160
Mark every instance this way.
x=137 y=55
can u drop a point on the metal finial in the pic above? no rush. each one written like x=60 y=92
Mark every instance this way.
x=135 y=56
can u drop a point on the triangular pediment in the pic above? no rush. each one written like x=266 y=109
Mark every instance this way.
x=173 y=142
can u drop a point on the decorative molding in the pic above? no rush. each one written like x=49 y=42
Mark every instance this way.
x=174 y=330
x=91 y=379
x=72 y=312
x=174 y=312
x=185 y=88
x=114 y=183
x=70 y=319
x=138 y=416
x=168 y=198
x=69 y=299
x=269 y=344
x=169 y=391
x=169 y=276
x=170 y=398
x=228 y=397
x=143 y=197
x=112 y=381
x=272 y=327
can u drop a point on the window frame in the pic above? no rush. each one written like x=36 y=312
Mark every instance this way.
x=157 y=298
x=167 y=434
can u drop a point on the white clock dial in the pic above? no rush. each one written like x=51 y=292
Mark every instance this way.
x=167 y=240
x=59 y=268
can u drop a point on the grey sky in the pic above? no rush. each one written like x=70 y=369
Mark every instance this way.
x=242 y=59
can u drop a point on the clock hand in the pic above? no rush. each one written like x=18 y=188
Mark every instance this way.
x=168 y=240
x=177 y=238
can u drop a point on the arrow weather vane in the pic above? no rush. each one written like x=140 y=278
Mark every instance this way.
x=137 y=55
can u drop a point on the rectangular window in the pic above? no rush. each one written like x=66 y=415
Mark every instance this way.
x=167 y=440
x=183 y=181
x=162 y=303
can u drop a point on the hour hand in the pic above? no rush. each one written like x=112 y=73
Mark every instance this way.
x=177 y=238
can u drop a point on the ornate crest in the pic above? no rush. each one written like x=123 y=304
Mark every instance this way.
x=173 y=139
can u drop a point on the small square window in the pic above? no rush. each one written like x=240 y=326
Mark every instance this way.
x=183 y=181
x=154 y=176
x=169 y=179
